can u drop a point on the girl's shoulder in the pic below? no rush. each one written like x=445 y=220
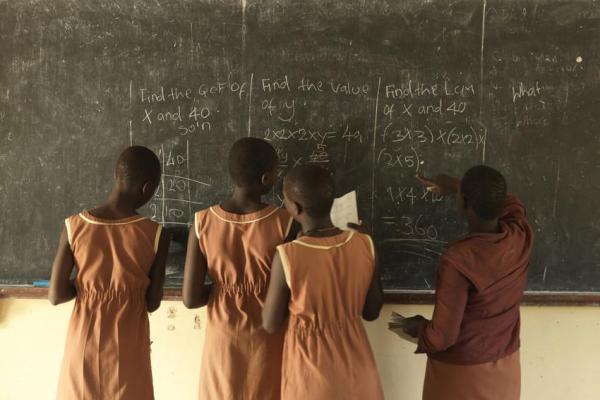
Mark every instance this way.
x=204 y=211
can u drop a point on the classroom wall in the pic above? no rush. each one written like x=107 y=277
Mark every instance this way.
x=560 y=354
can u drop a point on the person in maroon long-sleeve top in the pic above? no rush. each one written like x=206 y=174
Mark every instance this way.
x=472 y=340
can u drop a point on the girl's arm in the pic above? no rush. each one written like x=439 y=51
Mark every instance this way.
x=278 y=297
x=451 y=297
x=62 y=288
x=374 y=299
x=195 y=292
x=154 y=293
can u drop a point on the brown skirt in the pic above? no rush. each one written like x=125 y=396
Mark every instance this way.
x=496 y=380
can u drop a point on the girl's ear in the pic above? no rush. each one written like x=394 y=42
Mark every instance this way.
x=147 y=189
x=264 y=179
x=296 y=209
x=268 y=179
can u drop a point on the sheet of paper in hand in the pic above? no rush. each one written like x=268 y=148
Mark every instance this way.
x=396 y=325
x=344 y=210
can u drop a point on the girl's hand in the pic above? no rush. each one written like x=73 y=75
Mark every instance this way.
x=441 y=184
x=360 y=227
x=413 y=325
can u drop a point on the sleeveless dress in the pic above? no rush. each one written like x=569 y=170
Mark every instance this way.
x=107 y=352
x=327 y=355
x=240 y=360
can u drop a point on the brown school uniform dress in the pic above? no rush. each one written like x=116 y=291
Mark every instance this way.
x=107 y=353
x=327 y=355
x=472 y=341
x=240 y=360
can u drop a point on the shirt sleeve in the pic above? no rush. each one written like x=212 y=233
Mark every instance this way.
x=513 y=209
x=451 y=294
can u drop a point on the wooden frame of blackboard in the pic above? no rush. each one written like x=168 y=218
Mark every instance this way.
x=390 y=296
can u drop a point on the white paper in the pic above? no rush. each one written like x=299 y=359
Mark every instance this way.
x=345 y=210
x=397 y=318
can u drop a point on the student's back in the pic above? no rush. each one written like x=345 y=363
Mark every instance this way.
x=325 y=281
x=240 y=360
x=239 y=249
x=494 y=268
x=472 y=340
x=234 y=243
x=120 y=259
x=108 y=337
x=326 y=352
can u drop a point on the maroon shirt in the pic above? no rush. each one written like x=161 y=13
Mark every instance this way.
x=480 y=284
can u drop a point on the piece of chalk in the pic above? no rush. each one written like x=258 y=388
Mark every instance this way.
x=41 y=284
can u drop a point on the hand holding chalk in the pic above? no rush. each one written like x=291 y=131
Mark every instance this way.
x=441 y=184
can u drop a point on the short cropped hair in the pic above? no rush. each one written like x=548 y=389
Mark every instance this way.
x=484 y=188
x=137 y=165
x=249 y=159
x=312 y=187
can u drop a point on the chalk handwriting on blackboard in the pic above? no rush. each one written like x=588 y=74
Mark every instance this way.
x=284 y=112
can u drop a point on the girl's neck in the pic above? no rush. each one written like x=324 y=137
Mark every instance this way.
x=481 y=226
x=118 y=205
x=319 y=227
x=244 y=200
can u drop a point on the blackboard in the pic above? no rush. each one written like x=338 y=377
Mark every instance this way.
x=374 y=90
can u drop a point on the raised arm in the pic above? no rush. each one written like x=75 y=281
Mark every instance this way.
x=154 y=293
x=448 y=185
x=278 y=297
x=62 y=287
x=441 y=184
x=513 y=209
x=195 y=292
